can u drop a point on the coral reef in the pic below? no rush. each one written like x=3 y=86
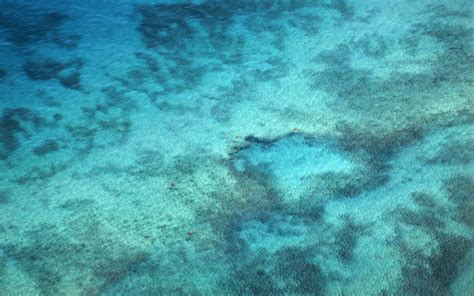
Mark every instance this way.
x=17 y=122
x=236 y=147
x=46 y=147
x=26 y=26
x=460 y=190
x=67 y=73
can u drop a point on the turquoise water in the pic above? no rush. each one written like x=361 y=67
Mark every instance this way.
x=283 y=147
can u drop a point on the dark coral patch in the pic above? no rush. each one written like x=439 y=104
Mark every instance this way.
x=433 y=275
x=67 y=73
x=288 y=272
x=70 y=78
x=339 y=77
x=345 y=10
x=30 y=27
x=252 y=279
x=347 y=238
x=380 y=147
x=455 y=153
x=372 y=45
x=41 y=174
x=360 y=88
x=17 y=121
x=58 y=116
x=9 y=125
x=47 y=254
x=105 y=123
x=4 y=196
x=180 y=31
x=25 y=25
x=43 y=70
x=46 y=147
x=430 y=221
x=460 y=190
x=302 y=276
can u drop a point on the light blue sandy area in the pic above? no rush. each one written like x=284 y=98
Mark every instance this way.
x=283 y=147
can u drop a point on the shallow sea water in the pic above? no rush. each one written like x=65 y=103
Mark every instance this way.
x=283 y=147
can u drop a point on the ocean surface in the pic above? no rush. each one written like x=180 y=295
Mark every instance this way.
x=284 y=147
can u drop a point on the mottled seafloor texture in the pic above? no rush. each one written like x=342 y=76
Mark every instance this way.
x=292 y=147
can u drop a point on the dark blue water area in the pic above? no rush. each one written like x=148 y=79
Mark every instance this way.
x=236 y=147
